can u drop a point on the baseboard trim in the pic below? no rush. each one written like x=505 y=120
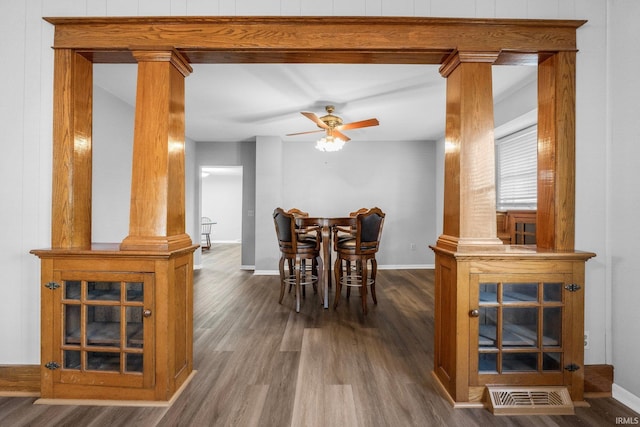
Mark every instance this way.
x=380 y=267
x=407 y=267
x=266 y=273
x=625 y=397
x=20 y=380
x=598 y=379
x=134 y=403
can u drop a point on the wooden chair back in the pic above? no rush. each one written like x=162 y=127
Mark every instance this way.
x=369 y=230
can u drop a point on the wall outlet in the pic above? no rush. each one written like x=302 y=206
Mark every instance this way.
x=586 y=340
x=412 y=246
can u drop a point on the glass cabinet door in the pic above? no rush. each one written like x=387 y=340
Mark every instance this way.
x=520 y=322
x=106 y=327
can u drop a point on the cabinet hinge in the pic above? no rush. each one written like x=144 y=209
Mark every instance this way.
x=572 y=367
x=52 y=285
x=52 y=365
x=572 y=287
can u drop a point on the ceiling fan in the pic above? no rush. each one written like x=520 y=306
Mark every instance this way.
x=333 y=125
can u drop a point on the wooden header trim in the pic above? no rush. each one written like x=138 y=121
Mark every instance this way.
x=313 y=39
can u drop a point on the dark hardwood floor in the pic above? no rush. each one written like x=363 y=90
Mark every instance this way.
x=260 y=364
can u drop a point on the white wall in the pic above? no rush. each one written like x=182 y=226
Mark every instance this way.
x=607 y=129
x=269 y=195
x=623 y=144
x=25 y=175
x=112 y=167
x=398 y=177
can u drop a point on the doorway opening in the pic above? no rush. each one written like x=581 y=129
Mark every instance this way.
x=220 y=204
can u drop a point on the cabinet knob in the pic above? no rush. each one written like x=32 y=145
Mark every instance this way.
x=146 y=313
x=474 y=313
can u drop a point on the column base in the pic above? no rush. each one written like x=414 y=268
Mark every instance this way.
x=156 y=243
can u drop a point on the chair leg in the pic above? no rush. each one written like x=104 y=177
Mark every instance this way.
x=297 y=269
x=374 y=271
x=319 y=274
x=291 y=272
x=314 y=272
x=281 y=268
x=338 y=273
x=363 y=288
x=303 y=273
x=353 y=275
x=304 y=269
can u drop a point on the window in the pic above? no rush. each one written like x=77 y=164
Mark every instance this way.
x=516 y=170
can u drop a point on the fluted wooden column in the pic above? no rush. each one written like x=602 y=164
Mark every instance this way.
x=556 y=152
x=72 y=152
x=469 y=183
x=157 y=212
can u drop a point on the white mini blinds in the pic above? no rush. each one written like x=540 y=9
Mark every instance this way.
x=516 y=170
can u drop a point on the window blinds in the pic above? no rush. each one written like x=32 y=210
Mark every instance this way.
x=516 y=170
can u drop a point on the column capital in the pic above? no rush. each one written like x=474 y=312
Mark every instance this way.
x=456 y=58
x=167 y=54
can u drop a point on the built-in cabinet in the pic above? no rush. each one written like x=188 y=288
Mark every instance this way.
x=521 y=313
x=116 y=325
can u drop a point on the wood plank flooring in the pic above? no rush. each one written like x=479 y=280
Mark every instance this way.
x=262 y=364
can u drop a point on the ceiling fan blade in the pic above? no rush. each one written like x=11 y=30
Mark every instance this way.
x=360 y=124
x=315 y=119
x=340 y=135
x=304 y=133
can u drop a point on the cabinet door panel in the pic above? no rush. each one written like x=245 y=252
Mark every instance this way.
x=517 y=328
x=103 y=327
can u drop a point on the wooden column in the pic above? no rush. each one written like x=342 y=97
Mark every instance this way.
x=157 y=215
x=469 y=183
x=556 y=152
x=72 y=152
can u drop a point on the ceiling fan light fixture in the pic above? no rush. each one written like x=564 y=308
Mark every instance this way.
x=329 y=143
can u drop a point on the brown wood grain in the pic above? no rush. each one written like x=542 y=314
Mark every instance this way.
x=167 y=281
x=72 y=152
x=556 y=153
x=598 y=378
x=20 y=379
x=290 y=39
x=470 y=204
x=157 y=211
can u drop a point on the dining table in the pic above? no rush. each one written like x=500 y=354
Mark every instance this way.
x=326 y=224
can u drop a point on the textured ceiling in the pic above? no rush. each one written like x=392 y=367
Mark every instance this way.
x=237 y=102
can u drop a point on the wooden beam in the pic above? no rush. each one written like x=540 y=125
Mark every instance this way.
x=317 y=39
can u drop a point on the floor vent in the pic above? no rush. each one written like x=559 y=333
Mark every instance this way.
x=530 y=401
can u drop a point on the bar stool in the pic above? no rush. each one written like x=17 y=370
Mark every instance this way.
x=360 y=250
x=295 y=249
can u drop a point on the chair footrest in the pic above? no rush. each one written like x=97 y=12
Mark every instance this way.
x=354 y=280
x=305 y=279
